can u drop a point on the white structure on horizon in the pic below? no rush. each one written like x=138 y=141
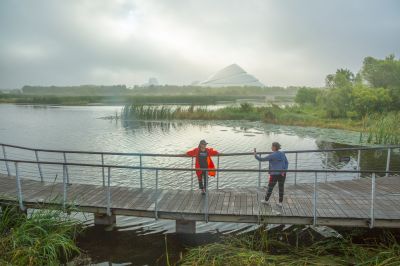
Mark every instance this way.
x=151 y=82
x=232 y=75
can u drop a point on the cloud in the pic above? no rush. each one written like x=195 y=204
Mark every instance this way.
x=125 y=42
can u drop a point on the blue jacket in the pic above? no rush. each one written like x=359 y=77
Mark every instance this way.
x=277 y=161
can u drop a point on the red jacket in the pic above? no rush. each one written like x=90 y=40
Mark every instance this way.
x=210 y=152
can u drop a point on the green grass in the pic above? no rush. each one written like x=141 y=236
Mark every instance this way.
x=382 y=128
x=283 y=248
x=45 y=237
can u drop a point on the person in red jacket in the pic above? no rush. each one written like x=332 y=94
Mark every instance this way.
x=203 y=160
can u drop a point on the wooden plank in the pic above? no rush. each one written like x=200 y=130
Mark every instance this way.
x=340 y=200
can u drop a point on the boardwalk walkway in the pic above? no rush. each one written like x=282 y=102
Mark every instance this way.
x=341 y=203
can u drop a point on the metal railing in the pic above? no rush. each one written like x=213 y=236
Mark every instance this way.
x=206 y=200
x=102 y=155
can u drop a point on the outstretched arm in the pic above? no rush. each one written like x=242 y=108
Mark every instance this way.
x=191 y=153
x=259 y=158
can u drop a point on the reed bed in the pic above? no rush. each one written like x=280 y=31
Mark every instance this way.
x=382 y=128
x=262 y=248
x=45 y=237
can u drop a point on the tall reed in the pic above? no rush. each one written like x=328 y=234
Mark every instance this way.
x=382 y=128
x=45 y=237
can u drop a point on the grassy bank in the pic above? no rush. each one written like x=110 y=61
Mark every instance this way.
x=45 y=237
x=299 y=247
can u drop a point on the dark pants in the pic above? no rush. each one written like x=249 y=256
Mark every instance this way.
x=273 y=179
x=203 y=180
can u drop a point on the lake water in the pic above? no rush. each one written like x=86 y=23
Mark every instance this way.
x=79 y=128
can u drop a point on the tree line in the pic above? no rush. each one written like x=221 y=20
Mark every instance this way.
x=374 y=89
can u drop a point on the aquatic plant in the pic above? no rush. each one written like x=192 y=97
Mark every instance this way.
x=284 y=248
x=44 y=237
x=382 y=128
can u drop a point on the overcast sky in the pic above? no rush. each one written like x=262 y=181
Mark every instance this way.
x=179 y=41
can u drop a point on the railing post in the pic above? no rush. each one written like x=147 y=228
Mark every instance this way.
x=388 y=162
x=259 y=172
x=358 y=163
x=206 y=199
x=20 y=198
x=65 y=161
x=326 y=166
x=156 y=201
x=315 y=199
x=192 y=173
x=295 y=168
x=372 y=222
x=64 y=185
x=5 y=157
x=102 y=169
x=39 y=166
x=108 y=192
x=218 y=172
x=141 y=171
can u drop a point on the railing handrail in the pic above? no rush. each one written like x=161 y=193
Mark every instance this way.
x=183 y=155
x=200 y=169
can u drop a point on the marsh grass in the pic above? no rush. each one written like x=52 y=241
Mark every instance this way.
x=44 y=237
x=263 y=248
x=295 y=115
x=382 y=128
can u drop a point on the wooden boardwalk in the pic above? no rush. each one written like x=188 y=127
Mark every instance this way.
x=341 y=203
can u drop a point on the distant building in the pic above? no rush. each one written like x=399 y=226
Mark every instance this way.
x=232 y=75
x=151 y=82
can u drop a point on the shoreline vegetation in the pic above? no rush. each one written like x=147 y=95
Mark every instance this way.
x=298 y=245
x=374 y=129
x=43 y=237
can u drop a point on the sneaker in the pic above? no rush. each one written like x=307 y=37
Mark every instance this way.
x=264 y=202
x=279 y=204
x=203 y=191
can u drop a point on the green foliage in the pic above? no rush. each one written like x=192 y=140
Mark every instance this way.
x=370 y=100
x=382 y=73
x=264 y=248
x=307 y=95
x=348 y=97
x=43 y=238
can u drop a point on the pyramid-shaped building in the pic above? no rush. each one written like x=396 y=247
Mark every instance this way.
x=232 y=75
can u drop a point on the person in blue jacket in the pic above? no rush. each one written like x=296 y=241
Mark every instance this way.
x=277 y=163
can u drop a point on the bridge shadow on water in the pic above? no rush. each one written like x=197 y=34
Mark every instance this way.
x=138 y=247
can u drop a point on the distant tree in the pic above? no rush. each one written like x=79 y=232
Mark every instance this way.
x=307 y=95
x=382 y=73
x=342 y=78
x=367 y=100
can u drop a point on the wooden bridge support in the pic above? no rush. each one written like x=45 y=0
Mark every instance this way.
x=104 y=219
x=185 y=227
